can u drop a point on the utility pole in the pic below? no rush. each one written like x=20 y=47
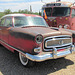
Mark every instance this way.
x=30 y=8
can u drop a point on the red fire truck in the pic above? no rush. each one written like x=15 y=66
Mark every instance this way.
x=60 y=14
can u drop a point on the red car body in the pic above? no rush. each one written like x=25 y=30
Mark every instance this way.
x=33 y=39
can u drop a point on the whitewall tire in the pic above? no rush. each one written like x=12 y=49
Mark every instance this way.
x=25 y=61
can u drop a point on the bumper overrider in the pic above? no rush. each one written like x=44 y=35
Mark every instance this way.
x=54 y=55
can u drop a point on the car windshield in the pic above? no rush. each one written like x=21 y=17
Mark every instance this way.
x=61 y=11
x=29 y=21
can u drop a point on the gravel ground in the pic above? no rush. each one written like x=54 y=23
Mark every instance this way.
x=10 y=65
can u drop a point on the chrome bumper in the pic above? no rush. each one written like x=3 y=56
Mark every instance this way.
x=53 y=55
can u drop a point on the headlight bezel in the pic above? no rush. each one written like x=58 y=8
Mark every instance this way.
x=39 y=39
x=66 y=26
x=60 y=26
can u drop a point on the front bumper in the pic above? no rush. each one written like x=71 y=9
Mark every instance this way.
x=54 y=55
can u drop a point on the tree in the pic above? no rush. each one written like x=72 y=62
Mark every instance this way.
x=39 y=13
x=7 y=11
x=1 y=14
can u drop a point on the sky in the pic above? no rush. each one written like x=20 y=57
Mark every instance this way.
x=15 y=5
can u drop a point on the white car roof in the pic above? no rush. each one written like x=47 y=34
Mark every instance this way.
x=21 y=15
x=13 y=15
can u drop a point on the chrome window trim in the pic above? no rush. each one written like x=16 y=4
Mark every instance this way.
x=11 y=47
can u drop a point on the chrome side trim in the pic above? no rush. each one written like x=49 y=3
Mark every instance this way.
x=12 y=47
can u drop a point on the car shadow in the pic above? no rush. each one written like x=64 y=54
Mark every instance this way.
x=10 y=65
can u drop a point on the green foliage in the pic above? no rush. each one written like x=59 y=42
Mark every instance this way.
x=1 y=14
x=25 y=11
x=7 y=11
x=39 y=13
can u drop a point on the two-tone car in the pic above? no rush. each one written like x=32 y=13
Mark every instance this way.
x=33 y=39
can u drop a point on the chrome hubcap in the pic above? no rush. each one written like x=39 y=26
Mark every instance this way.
x=23 y=59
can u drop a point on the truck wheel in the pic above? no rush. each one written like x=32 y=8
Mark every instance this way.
x=25 y=61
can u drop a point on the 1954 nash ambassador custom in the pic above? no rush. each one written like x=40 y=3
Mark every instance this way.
x=30 y=36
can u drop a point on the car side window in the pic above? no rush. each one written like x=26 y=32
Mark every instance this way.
x=2 y=22
x=20 y=21
x=8 y=22
x=73 y=12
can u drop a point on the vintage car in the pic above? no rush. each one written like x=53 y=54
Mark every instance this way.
x=30 y=36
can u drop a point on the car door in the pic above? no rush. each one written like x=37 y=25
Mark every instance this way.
x=2 y=22
x=5 y=30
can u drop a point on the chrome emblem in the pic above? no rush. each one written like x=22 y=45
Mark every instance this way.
x=61 y=42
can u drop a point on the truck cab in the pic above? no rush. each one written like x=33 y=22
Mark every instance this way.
x=60 y=14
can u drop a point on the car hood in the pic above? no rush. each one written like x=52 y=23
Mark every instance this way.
x=44 y=31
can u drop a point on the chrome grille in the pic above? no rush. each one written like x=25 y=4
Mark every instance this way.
x=57 y=41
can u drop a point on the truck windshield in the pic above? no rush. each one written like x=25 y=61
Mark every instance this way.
x=29 y=21
x=58 y=11
x=61 y=11
x=48 y=11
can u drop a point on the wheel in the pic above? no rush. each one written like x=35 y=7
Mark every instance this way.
x=25 y=61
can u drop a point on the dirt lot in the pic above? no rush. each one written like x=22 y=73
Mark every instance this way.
x=10 y=65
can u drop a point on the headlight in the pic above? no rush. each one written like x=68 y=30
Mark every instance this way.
x=66 y=26
x=60 y=26
x=39 y=39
